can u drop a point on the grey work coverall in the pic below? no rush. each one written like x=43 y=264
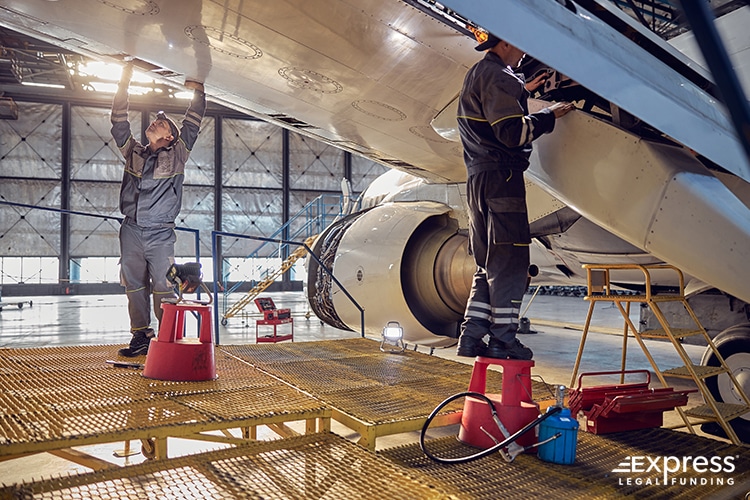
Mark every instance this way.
x=150 y=200
x=496 y=132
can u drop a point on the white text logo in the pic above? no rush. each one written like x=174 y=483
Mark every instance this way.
x=664 y=466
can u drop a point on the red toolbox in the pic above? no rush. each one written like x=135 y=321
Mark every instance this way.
x=274 y=318
x=623 y=407
x=583 y=398
x=269 y=311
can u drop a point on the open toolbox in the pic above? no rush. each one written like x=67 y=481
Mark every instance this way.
x=622 y=407
x=269 y=311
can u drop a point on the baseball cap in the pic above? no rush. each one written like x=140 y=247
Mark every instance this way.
x=490 y=42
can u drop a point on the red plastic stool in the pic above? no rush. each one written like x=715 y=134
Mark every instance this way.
x=514 y=406
x=172 y=357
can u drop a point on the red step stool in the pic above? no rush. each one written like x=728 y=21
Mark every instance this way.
x=173 y=357
x=273 y=317
x=514 y=405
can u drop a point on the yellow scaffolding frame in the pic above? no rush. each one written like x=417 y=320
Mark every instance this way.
x=600 y=290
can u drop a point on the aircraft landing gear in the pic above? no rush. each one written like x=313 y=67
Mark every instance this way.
x=732 y=345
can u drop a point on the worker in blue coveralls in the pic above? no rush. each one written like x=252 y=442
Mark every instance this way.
x=496 y=132
x=150 y=200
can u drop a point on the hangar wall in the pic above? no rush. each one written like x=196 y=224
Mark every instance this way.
x=60 y=155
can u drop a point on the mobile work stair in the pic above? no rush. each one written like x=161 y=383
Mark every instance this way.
x=262 y=285
x=600 y=290
x=310 y=221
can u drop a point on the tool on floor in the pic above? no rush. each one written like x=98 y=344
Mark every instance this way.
x=124 y=364
x=496 y=422
x=171 y=355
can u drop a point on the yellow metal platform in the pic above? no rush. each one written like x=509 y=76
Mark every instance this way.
x=311 y=466
x=55 y=398
x=328 y=466
x=372 y=392
x=612 y=466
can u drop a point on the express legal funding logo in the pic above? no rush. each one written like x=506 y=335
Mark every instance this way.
x=644 y=470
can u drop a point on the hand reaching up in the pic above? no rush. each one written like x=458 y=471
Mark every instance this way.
x=561 y=108
x=194 y=85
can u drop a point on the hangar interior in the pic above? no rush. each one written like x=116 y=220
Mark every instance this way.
x=268 y=418
x=60 y=174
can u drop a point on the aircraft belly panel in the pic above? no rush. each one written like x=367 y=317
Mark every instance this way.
x=655 y=196
x=597 y=168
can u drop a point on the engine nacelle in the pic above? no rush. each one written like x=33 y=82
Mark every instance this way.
x=402 y=261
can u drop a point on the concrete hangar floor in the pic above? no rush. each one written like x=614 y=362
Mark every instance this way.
x=66 y=321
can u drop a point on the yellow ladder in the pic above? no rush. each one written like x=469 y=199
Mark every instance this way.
x=600 y=290
x=259 y=288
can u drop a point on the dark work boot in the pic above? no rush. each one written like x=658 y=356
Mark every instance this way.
x=138 y=344
x=508 y=350
x=470 y=347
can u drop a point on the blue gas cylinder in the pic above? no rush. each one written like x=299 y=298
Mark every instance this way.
x=563 y=449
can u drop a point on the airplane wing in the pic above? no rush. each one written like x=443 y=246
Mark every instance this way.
x=577 y=43
x=365 y=76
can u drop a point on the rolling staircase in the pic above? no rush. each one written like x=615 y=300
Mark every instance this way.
x=310 y=221
x=600 y=290
x=262 y=285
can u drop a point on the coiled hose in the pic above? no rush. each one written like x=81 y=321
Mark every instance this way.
x=461 y=460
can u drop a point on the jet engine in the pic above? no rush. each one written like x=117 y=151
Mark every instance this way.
x=400 y=261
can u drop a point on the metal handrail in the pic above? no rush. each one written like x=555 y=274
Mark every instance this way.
x=307 y=230
x=214 y=249
x=196 y=232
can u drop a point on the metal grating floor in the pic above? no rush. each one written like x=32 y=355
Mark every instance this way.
x=301 y=351
x=591 y=476
x=59 y=397
x=376 y=387
x=312 y=466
